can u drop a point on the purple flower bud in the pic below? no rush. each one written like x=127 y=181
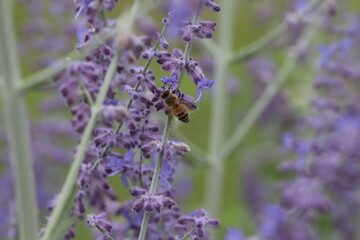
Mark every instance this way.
x=212 y=6
x=114 y=113
x=137 y=191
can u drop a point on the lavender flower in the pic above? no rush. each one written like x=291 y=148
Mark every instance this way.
x=149 y=203
x=100 y=221
x=195 y=223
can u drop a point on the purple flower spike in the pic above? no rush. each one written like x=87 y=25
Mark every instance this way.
x=204 y=84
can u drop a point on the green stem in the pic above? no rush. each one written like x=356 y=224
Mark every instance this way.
x=189 y=44
x=214 y=186
x=155 y=178
x=140 y=170
x=260 y=44
x=157 y=170
x=66 y=191
x=104 y=232
x=17 y=130
x=39 y=78
x=188 y=234
x=102 y=16
x=270 y=91
x=86 y=94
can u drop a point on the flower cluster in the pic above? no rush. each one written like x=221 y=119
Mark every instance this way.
x=126 y=140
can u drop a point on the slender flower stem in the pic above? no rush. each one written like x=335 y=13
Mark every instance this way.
x=188 y=234
x=141 y=160
x=157 y=170
x=189 y=44
x=16 y=122
x=270 y=91
x=66 y=192
x=260 y=44
x=155 y=178
x=86 y=94
x=39 y=78
x=102 y=16
x=103 y=232
x=214 y=186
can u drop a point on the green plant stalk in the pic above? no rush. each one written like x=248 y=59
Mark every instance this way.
x=260 y=44
x=17 y=130
x=155 y=178
x=39 y=78
x=66 y=192
x=103 y=232
x=188 y=45
x=86 y=94
x=158 y=166
x=270 y=91
x=214 y=178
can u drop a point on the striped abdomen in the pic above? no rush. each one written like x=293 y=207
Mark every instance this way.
x=181 y=113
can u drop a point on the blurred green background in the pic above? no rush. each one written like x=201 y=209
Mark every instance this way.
x=260 y=150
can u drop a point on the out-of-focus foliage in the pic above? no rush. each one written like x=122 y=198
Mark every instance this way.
x=252 y=170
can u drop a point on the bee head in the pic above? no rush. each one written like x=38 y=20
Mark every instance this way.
x=165 y=94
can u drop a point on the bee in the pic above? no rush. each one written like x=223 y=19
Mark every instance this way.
x=179 y=108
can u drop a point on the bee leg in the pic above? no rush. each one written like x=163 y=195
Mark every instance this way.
x=178 y=92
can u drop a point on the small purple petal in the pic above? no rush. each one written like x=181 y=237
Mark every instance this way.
x=124 y=180
x=164 y=183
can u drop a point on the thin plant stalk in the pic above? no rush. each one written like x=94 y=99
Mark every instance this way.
x=265 y=41
x=218 y=118
x=39 y=78
x=214 y=177
x=165 y=137
x=155 y=179
x=66 y=192
x=17 y=128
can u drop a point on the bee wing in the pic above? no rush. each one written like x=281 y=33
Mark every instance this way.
x=189 y=105
x=188 y=101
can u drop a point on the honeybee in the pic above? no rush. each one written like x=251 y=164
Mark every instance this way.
x=179 y=108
